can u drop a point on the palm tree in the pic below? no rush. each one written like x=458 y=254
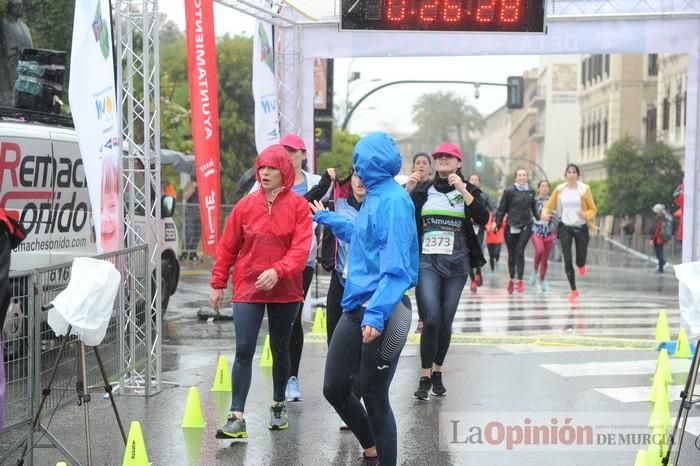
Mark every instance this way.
x=444 y=116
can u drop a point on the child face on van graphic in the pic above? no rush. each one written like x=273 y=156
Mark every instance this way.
x=109 y=209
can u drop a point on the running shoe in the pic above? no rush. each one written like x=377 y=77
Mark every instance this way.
x=423 y=387
x=292 y=391
x=369 y=460
x=521 y=287
x=473 y=286
x=233 y=429
x=278 y=417
x=582 y=270
x=478 y=280
x=544 y=286
x=438 y=388
x=510 y=286
x=533 y=279
x=573 y=296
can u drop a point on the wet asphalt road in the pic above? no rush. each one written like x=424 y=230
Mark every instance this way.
x=483 y=380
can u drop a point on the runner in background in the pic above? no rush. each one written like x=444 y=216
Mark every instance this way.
x=420 y=178
x=266 y=240
x=518 y=204
x=475 y=273
x=543 y=239
x=573 y=201
x=494 y=240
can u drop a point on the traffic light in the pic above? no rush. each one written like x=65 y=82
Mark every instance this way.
x=516 y=91
x=479 y=161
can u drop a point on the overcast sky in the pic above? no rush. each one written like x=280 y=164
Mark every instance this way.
x=390 y=109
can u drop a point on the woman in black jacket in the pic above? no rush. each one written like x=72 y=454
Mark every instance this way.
x=518 y=204
x=449 y=249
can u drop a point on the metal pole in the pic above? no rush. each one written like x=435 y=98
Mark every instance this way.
x=86 y=401
x=411 y=81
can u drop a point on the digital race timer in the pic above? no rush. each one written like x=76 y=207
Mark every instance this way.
x=444 y=15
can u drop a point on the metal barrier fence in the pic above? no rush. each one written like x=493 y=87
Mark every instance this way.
x=31 y=347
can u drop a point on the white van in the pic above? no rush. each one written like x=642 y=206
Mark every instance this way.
x=42 y=179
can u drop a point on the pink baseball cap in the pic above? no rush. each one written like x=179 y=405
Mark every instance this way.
x=293 y=141
x=449 y=149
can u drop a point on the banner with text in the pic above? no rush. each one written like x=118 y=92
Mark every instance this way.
x=264 y=88
x=92 y=95
x=201 y=60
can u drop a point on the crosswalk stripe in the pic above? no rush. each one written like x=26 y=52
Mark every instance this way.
x=639 y=367
x=638 y=394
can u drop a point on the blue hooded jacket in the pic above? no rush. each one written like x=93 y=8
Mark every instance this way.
x=383 y=256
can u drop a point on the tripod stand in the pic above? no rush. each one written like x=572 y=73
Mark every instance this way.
x=83 y=399
x=684 y=410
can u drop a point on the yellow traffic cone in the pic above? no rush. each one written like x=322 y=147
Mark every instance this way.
x=653 y=456
x=663 y=365
x=266 y=358
x=319 y=325
x=193 y=410
x=222 y=379
x=659 y=389
x=662 y=331
x=683 y=345
x=641 y=458
x=135 y=452
x=659 y=440
x=660 y=416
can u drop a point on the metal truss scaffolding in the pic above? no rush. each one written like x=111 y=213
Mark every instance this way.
x=138 y=90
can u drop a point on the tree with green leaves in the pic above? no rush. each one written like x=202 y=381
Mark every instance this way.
x=443 y=117
x=340 y=156
x=639 y=177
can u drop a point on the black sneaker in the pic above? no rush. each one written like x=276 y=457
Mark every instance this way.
x=233 y=429
x=369 y=460
x=423 y=387
x=438 y=388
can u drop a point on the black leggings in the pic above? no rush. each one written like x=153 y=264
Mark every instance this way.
x=438 y=297
x=375 y=364
x=247 y=318
x=296 y=343
x=579 y=235
x=333 y=307
x=494 y=254
x=516 y=244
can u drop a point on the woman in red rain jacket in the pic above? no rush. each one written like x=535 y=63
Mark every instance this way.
x=266 y=240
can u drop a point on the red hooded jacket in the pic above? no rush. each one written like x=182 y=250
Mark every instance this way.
x=257 y=238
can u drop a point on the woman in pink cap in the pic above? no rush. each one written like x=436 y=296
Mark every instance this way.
x=445 y=210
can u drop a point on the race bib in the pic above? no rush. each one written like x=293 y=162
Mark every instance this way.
x=438 y=242
x=515 y=230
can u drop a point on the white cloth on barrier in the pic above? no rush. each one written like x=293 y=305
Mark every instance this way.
x=688 y=275
x=87 y=301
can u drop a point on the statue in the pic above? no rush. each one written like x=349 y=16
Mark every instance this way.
x=14 y=37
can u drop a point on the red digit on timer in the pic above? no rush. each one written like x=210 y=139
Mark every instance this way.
x=452 y=11
x=396 y=10
x=510 y=11
x=485 y=11
x=429 y=10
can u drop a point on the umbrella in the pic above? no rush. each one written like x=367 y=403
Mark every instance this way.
x=180 y=162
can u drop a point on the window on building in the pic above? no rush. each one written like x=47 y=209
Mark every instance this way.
x=581 y=142
x=589 y=136
x=651 y=124
x=583 y=72
x=597 y=133
x=605 y=131
x=607 y=65
x=599 y=67
x=666 y=113
x=653 y=64
x=589 y=71
x=685 y=108
x=679 y=109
